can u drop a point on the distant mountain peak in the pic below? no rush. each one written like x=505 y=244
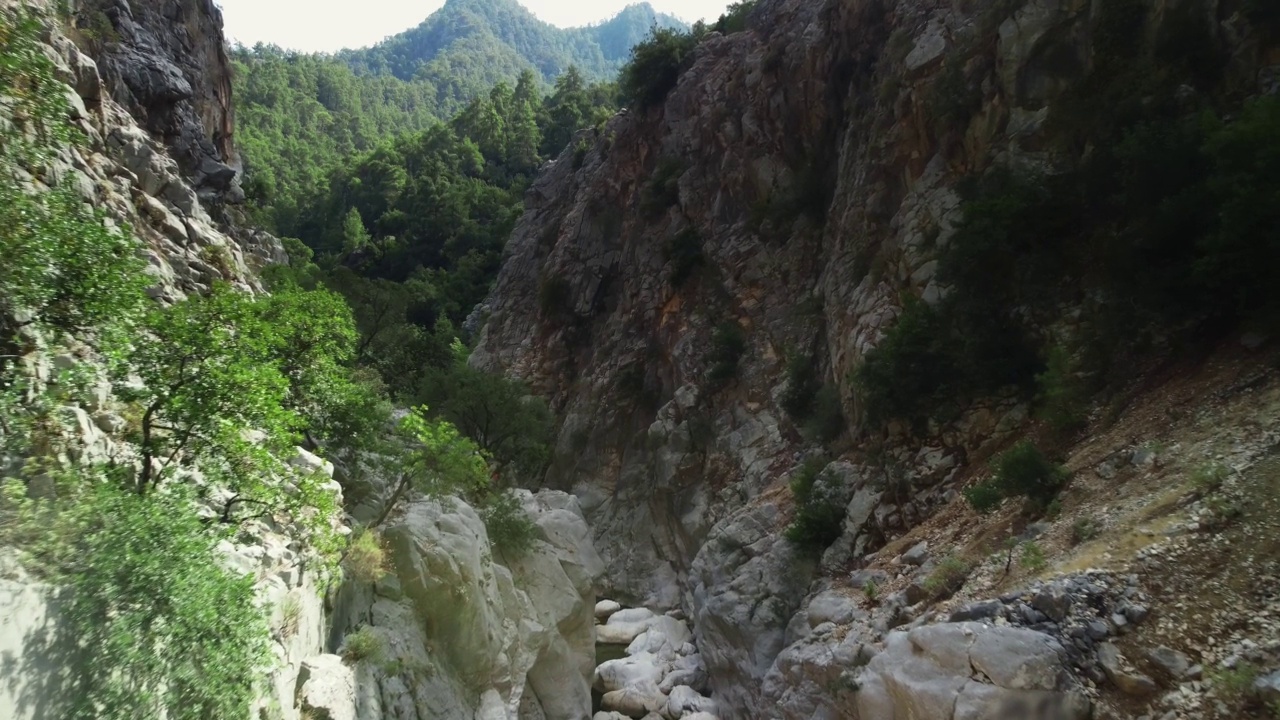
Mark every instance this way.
x=507 y=37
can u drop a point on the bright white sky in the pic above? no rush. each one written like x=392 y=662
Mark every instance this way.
x=328 y=25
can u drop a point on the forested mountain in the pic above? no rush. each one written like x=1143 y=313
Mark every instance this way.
x=484 y=41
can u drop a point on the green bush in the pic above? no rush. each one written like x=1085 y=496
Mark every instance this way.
x=827 y=420
x=735 y=17
x=910 y=372
x=947 y=577
x=803 y=385
x=1083 y=530
x=984 y=497
x=364 y=645
x=655 y=67
x=728 y=345
x=684 y=252
x=1060 y=398
x=149 y=597
x=1025 y=471
x=511 y=530
x=365 y=560
x=1032 y=557
x=663 y=189
x=820 y=501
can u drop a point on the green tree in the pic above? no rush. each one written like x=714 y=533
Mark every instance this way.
x=206 y=376
x=354 y=235
x=439 y=461
x=655 y=67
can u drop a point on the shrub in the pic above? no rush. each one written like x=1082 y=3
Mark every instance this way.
x=580 y=153
x=663 y=189
x=290 y=616
x=728 y=344
x=1032 y=558
x=149 y=597
x=827 y=420
x=1083 y=530
x=1024 y=470
x=655 y=67
x=1209 y=477
x=365 y=560
x=684 y=252
x=735 y=17
x=820 y=500
x=803 y=385
x=947 y=577
x=511 y=530
x=984 y=497
x=364 y=645
x=871 y=591
x=1059 y=396
x=1234 y=684
x=909 y=372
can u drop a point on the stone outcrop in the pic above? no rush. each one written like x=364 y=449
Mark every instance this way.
x=165 y=61
x=470 y=632
x=797 y=183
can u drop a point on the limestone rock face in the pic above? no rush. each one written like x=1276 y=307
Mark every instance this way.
x=802 y=166
x=455 y=616
x=169 y=68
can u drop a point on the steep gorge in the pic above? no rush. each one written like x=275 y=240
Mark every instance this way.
x=788 y=198
x=798 y=185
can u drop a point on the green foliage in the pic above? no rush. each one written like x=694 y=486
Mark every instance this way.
x=803 y=385
x=735 y=17
x=1024 y=471
x=655 y=67
x=511 y=426
x=820 y=500
x=984 y=497
x=148 y=597
x=365 y=560
x=364 y=645
x=728 y=345
x=59 y=262
x=511 y=530
x=827 y=419
x=443 y=460
x=1060 y=398
x=206 y=372
x=1083 y=530
x=871 y=591
x=663 y=189
x=1032 y=557
x=684 y=252
x=947 y=577
x=910 y=372
x=1234 y=684
x=1209 y=477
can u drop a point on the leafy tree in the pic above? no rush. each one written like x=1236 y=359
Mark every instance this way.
x=59 y=262
x=149 y=598
x=205 y=372
x=655 y=67
x=499 y=414
x=354 y=237
x=440 y=461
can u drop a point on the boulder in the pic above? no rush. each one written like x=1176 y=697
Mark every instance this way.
x=326 y=688
x=635 y=700
x=605 y=608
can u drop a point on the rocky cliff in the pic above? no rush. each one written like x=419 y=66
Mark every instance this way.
x=459 y=633
x=793 y=191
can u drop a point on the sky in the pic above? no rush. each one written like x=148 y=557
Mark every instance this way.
x=328 y=25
